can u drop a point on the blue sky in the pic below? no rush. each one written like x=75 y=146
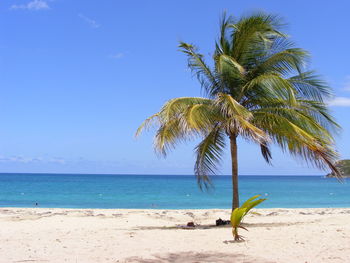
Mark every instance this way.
x=78 y=77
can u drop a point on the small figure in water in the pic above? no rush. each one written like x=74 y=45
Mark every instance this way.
x=36 y=204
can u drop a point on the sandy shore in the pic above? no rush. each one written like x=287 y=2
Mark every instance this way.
x=96 y=235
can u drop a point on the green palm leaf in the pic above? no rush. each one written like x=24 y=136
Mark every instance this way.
x=209 y=153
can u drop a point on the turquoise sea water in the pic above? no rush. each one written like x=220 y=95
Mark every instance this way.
x=166 y=191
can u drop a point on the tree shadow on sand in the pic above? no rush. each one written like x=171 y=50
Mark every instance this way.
x=192 y=257
x=205 y=227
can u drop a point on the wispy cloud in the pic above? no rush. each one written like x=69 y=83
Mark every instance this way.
x=117 y=55
x=57 y=160
x=347 y=83
x=89 y=21
x=21 y=159
x=34 y=5
x=340 y=102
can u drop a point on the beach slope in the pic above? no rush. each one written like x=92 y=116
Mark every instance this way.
x=97 y=235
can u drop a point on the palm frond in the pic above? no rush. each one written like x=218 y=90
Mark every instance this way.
x=294 y=137
x=209 y=153
x=253 y=34
x=230 y=107
x=284 y=62
x=175 y=107
x=319 y=111
x=269 y=85
x=266 y=152
x=196 y=63
x=146 y=124
x=299 y=117
x=167 y=136
x=224 y=45
x=311 y=86
x=237 y=119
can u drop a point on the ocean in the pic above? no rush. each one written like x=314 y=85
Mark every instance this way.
x=166 y=191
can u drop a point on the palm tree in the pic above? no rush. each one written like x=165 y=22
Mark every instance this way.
x=256 y=88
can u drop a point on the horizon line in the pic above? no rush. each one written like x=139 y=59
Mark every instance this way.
x=226 y=175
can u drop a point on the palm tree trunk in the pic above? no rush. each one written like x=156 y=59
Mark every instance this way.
x=235 y=197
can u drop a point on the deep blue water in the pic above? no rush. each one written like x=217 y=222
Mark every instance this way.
x=166 y=191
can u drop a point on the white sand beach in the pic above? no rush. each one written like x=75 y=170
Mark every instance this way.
x=97 y=235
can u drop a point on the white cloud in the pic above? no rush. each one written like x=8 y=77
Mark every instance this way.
x=33 y=5
x=340 y=102
x=89 y=21
x=118 y=55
